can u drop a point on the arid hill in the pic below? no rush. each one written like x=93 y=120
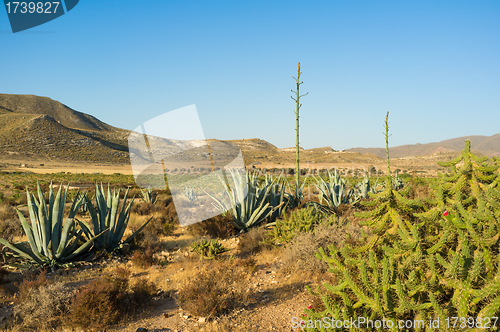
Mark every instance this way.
x=39 y=128
x=485 y=145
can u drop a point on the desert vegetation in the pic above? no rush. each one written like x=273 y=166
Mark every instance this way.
x=301 y=250
x=393 y=249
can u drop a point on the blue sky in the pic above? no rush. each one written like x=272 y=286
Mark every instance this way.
x=435 y=65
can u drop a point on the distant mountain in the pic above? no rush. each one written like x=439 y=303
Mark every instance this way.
x=42 y=128
x=486 y=145
x=32 y=105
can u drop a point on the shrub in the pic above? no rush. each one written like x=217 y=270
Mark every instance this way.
x=146 y=239
x=144 y=208
x=10 y=226
x=299 y=254
x=220 y=226
x=33 y=280
x=251 y=241
x=95 y=306
x=43 y=306
x=144 y=258
x=161 y=225
x=214 y=290
x=141 y=292
x=249 y=264
x=100 y=303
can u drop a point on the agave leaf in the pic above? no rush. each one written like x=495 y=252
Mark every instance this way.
x=125 y=202
x=101 y=208
x=75 y=206
x=44 y=215
x=112 y=219
x=108 y=200
x=22 y=251
x=29 y=235
x=34 y=225
x=50 y=250
x=84 y=247
x=56 y=224
x=48 y=215
x=65 y=238
x=85 y=228
x=72 y=246
x=121 y=229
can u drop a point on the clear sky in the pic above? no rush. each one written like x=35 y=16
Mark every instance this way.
x=435 y=65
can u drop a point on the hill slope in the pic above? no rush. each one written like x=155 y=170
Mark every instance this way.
x=486 y=145
x=42 y=128
x=39 y=128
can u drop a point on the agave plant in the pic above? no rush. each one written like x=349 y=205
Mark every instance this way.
x=189 y=194
x=279 y=200
x=247 y=202
x=333 y=192
x=51 y=240
x=397 y=183
x=364 y=188
x=148 y=196
x=84 y=208
x=105 y=216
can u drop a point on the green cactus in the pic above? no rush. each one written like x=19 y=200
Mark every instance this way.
x=434 y=266
x=471 y=187
x=390 y=211
x=298 y=221
x=208 y=249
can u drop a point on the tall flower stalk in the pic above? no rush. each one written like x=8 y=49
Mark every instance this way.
x=298 y=105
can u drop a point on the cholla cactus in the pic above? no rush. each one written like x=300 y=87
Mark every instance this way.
x=208 y=249
x=437 y=266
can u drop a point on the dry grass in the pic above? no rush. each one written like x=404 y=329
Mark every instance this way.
x=10 y=226
x=298 y=256
x=216 y=289
x=45 y=306
x=217 y=227
x=251 y=241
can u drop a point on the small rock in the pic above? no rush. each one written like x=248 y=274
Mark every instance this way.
x=202 y=320
x=141 y=329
